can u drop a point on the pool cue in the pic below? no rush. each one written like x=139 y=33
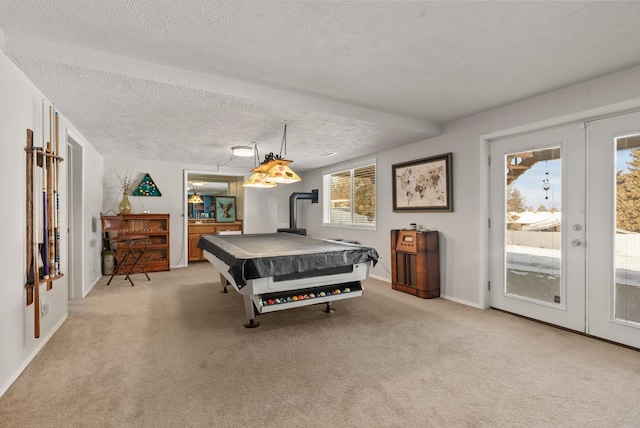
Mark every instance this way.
x=50 y=211
x=33 y=278
x=30 y=240
x=44 y=251
x=57 y=193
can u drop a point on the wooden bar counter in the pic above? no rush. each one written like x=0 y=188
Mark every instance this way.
x=200 y=227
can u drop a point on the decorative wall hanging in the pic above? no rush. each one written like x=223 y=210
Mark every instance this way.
x=147 y=187
x=225 y=208
x=424 y=184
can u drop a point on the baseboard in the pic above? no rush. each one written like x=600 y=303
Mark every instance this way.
x=93 y=284
x=380 y=278
x=442 y=296
x=463 y=302
x=31 y=356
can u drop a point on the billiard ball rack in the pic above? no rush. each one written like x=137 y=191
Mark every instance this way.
x=270 y=302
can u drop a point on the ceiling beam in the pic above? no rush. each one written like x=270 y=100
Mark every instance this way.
x=44 y=50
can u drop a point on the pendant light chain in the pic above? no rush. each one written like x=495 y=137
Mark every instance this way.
x=256 y=155
x=284 y=142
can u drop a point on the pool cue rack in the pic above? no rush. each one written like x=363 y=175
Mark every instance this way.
x=43 y=226
x=415 y=262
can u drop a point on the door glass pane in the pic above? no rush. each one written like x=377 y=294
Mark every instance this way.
x=533 y=204
x=627 y=241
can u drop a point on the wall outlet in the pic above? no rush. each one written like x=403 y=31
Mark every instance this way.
x=44 y=309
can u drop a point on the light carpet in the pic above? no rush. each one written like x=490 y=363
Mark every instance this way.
x=173 y=352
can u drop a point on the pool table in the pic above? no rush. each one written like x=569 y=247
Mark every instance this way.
x=277 y=271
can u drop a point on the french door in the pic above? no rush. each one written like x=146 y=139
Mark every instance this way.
x=613 y=257
x=538 y=219
x=565 y=248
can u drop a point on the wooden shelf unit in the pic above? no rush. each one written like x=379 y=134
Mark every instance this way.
x=196 y=230
x=415 y=262
x=156 y=227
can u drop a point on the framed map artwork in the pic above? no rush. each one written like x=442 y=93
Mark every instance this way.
x=423 y=185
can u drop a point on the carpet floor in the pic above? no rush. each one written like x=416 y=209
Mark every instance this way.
x=173 y=352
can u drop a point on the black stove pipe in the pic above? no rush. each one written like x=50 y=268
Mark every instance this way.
x=293 y=205
x=293 y=210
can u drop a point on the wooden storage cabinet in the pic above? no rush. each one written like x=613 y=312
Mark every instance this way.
x=196 y=230
x=156 y=229
x=415 y=262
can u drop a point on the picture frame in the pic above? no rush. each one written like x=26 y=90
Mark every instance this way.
x=424 y=184
x=225 y=208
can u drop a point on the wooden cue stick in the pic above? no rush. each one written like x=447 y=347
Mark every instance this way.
x=34 y=250
x=44 y=252
x=29 y=191
x=50 y=211
x=57 y=193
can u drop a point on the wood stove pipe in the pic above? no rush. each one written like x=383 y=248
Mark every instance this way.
x=293 y=202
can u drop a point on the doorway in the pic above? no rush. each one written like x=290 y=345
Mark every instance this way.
x=207 y=185
x=74 y=219
x=558 y=253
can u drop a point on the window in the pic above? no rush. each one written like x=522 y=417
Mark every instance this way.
x=350 y=197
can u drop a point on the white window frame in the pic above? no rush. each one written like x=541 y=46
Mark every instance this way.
x=326 y=203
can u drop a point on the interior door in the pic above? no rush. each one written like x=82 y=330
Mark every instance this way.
x=613 y=263
x=538 y=226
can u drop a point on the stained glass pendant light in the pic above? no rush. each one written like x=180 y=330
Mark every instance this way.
x=195 y=199
x=259 y=179
x=276 y=168
x=282 y=174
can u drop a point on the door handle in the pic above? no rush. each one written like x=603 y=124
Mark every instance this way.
x=576 y=242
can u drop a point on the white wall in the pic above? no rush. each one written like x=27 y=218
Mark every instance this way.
x=462 y=232
x=17 y=342
x=270 y=207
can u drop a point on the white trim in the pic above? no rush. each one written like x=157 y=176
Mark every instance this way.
x=31 y=356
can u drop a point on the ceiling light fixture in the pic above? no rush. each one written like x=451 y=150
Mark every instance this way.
x=243 y=151
x=258 y=179
x=276 y=168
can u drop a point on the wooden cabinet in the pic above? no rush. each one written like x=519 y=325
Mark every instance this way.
x=156 y=245
x=415 y=262
x=196 y=230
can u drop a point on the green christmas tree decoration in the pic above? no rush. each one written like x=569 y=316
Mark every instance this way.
x=147 y=187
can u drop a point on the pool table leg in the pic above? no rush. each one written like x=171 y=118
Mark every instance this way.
x=224 y=283
x=251 y=316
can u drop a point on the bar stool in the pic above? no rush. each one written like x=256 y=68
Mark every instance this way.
x=128 y=248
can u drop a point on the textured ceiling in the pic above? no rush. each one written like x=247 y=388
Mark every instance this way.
x=185 y=81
